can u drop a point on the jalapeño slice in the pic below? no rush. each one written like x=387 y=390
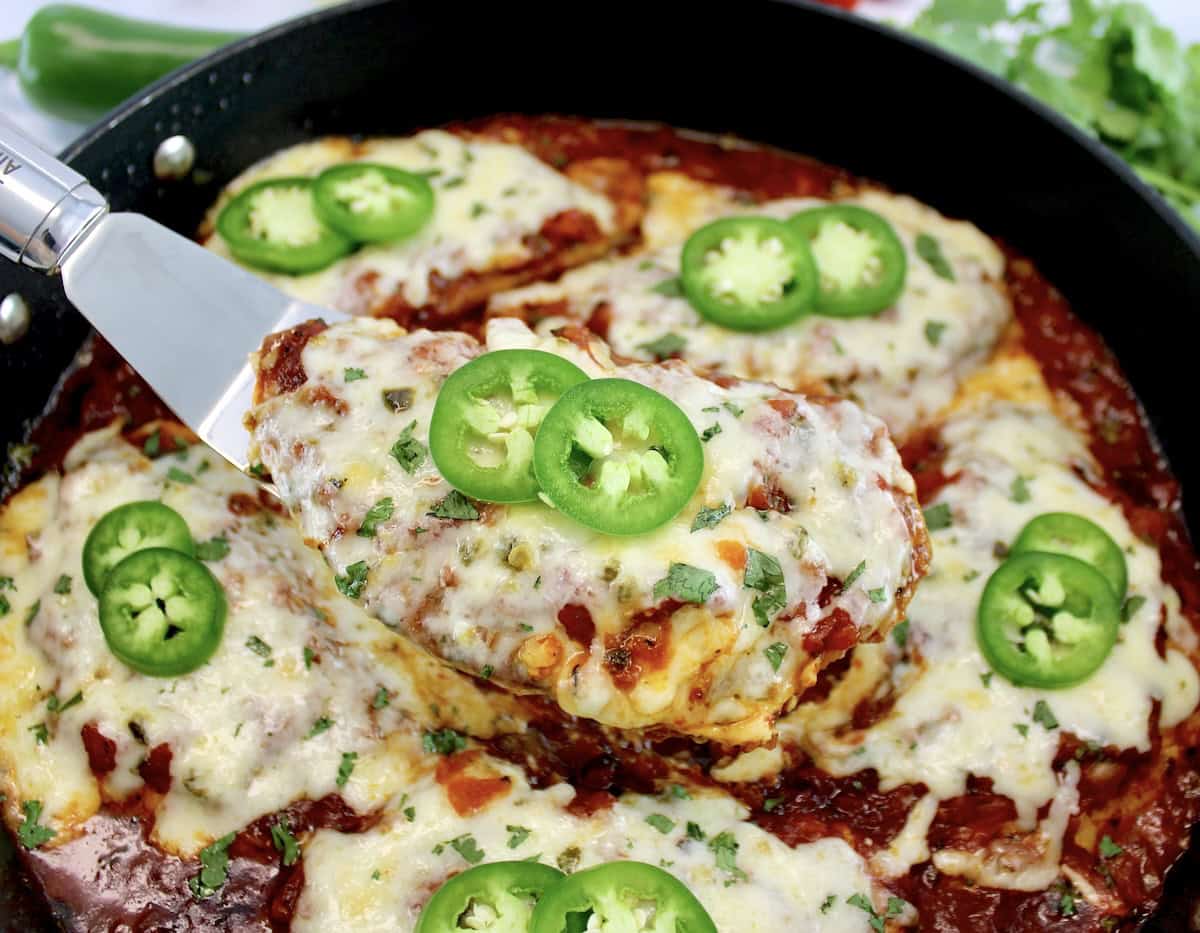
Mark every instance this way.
x=617 y=456
x=860 y=260
x=273 y=225
x=371 y=202
x=128 y=528
x=499 y=897
x=748 y=273
x=1047 y=620
x=162 y=612
x=1075 y=536
x=481 y=435
x=621 y=896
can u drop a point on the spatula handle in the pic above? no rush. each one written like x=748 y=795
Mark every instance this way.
x=46 y=208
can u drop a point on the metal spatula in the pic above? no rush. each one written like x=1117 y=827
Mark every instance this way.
x=181 y=316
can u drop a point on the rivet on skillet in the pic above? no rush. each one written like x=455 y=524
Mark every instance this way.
x=174 y=158
x=14 y=318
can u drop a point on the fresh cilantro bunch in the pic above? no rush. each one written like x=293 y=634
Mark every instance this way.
x=1109 y=66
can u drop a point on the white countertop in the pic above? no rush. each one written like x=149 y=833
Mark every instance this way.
x=251 y=15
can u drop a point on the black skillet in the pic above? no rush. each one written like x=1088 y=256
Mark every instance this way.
x=791 y=74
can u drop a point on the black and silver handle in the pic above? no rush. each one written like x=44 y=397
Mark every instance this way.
x=46 y=207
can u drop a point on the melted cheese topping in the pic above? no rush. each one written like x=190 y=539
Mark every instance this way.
x=904 y=364
x=490 y=199
x=239 y=728
x=452 y=586
x=379 y=880
x=952 y=716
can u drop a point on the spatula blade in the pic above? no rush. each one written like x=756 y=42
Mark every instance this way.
x=184 y=318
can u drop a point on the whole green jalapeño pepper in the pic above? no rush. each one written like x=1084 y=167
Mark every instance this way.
x=77 y=63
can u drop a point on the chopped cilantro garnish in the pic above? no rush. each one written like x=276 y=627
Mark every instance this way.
x=1019 y=490
x=443 y=742
x=180 y=476
x=710 y=432
x=517 y=835
x=56 y=706
x=663 y=824
x=670 y=288
x=1131 y=607
x=687 y=584
x=152 y=445
x=62 y=586
x=857 y=572
x=771 y=804
x=353 y=374
x=725 y=847
x=214 y=868
x=710 y=518
x=213 y=549
x=569 y=858
x=351 y=583
x=31 y=612
x=930 y=249
x=764 y=574
x=694 y=831
x=346 y=767
x=1022 y=728
x=31 y=833
x=258 y=646
x=382 y=698
x=466 y=846
x=862 y=903
x=455 y=507
x=827 y=904
x=878 y=595
x=381 y=511
x=40 y=734
x=938 y=517
x=664 y=347
x=900 y=633
x=679 y=792
x=736 y=410
x=1108 y=848
x=1043 y=715
x=309 y=655
x=322 y=724
x=409 y=452
x=285 y=842
x=934 y=331
x=775 y=653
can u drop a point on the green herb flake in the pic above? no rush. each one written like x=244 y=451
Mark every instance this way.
x=662 y=823
x=55 y=706
x=934 y=331
x=827 y=904
x=694 y=831
x=1019 y=491
x=929 y=248
x=1131 y=607
x=771 y=804
x=381 y=511
x=736 y=410
x=679 y=792
x=152 y=445
x=322 y=724
x=309 y=655
x=1108 y=848
x=986 y=677
x=443 y=742
x=214 y=868
x=1022 y=728
x=455 y=507
x=710 y=432
x=854 y=575
x=258 y=646
x=775 y=653
x=710 y=518
x=687 y=584
x=664 y=347
x=353 y=374
x=878 y=595
x=257 y=470
x=40 y=734
x=213 y=549
x=669 y=288
x=486 y=672
x=900 y=633
x=517 y=835
x=180 y=476
x=478 y=209
x=31 y=832
x=346 y=768
x=285 y=842
x=568 y=859
x=895 y=907
x=409 y=452
x=466 y=846
x=351 y=583
x=862 y=903
x=764 y=574
x=1066 y=903
x=938 y=517
x=31 y=612
x=725 y=847
x=62 y=586
x=382 y=699
x=1043 y=715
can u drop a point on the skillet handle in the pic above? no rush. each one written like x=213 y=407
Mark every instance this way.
x=46 y=208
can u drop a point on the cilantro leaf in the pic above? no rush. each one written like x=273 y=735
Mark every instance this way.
x=862 y=903
x=1108 y=848
x=455 y=507
x=670 y=288
x=353 y=374
x=764 y=574
x=351 y=583
x=664 y=347
x=214 y=868
x=466 y=846
x=686 y=583
x=664 y=824
x=938 y=517
x=381 y=511
x=929 y=248
x=1043 y=715
x=31 y=832
x=346 y=768
x=900 y=633
x=285 y=842
x=934 y=331
x=710 y=518
x=62 y=586
x=517 y=835
x=443 y=742
x=775 y=653
x=213 y=549
x=724 y=847
x=409 y=452
x=1019 y=490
